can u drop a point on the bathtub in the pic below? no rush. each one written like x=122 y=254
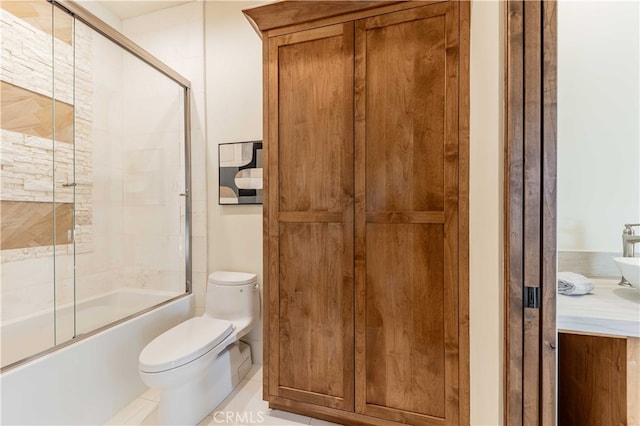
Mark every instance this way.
x=87 y=381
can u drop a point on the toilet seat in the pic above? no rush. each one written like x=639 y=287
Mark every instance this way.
x=183 y=343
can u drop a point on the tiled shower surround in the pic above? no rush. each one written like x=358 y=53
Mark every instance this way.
x=128 y=171
x=27 y=172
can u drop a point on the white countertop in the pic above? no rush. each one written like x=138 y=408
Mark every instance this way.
x=608 y=309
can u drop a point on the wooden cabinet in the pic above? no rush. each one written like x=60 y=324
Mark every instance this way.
x=598 y=380
x=366 y=222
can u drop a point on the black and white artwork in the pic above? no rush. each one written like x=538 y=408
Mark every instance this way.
x=240 y=172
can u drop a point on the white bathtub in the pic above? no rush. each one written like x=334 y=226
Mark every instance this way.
x=90 y=380
x=31 y=334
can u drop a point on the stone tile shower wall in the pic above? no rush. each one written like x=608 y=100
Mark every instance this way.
x=27 y=168
x=27 y=173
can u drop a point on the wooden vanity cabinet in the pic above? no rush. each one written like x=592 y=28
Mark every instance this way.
x=598 y=379
x=366 y=210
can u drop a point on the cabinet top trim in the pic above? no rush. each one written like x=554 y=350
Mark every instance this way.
x=284 y=13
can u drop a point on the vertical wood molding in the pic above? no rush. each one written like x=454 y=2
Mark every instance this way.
x=273 y=228
x=633 y=380
x=266 y=206
x=348 y=220
x=360 y=223
x=463 y=210
x=532 y=203
x=549 y=212
x=514 y=176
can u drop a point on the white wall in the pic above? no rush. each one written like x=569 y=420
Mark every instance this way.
x=102 y=12
x=486 y=213
x=234 y=114
x=598 y=123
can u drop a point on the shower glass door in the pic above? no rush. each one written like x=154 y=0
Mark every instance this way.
x=129 y=174
x=94 y=205
x=35 y=125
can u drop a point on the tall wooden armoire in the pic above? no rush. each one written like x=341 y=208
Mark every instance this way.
x=366 y=209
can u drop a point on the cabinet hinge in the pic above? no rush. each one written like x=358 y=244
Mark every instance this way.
x=532 y=297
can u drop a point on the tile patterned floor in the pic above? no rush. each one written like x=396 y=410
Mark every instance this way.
x=246 y=399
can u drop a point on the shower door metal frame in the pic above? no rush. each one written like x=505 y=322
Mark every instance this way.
x=83 y=15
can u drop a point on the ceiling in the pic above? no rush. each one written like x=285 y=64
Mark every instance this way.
x=131 y=9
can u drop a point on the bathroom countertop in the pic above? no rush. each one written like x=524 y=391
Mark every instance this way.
x=608 y=309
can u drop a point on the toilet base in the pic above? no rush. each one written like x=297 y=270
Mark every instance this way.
x=190 y=403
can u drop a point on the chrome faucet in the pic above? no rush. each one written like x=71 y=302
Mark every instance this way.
x=629 y=239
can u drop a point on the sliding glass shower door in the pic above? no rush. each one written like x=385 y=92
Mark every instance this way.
x=93 y=181
x=129 y=244
x=36 y=122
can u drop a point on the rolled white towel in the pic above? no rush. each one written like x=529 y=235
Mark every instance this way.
x=572 y=284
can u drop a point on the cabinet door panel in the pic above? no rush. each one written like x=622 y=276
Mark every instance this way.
x=315 y=109
x=311 y=351
x=407 y=194
x=312 y=310
x=405 y=115
x=404 y=307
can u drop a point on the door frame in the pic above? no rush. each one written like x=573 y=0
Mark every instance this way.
x=530 y=212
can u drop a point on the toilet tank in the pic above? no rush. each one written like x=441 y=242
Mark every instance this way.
x=233 y=296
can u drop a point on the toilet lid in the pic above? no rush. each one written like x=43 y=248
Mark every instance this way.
x=227 y=278
x=183 y=343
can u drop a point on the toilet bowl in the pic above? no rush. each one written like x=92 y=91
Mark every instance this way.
x=196 y=364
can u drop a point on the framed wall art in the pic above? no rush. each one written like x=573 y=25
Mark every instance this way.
x=240 y=173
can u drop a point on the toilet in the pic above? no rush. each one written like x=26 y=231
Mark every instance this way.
x=197 y=363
